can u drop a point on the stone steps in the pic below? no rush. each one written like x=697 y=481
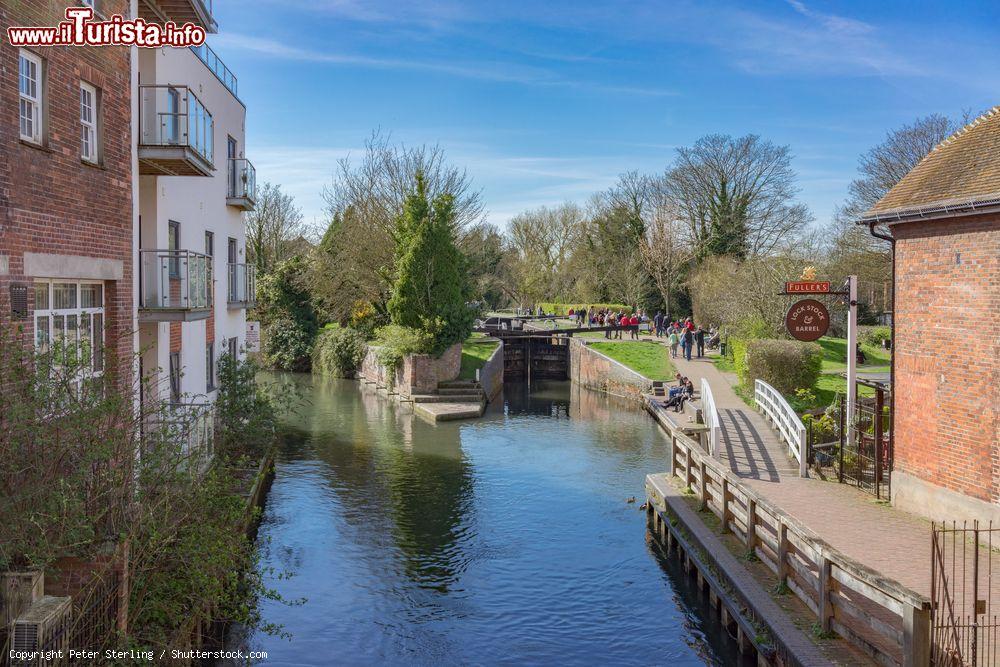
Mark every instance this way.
x=439 y=412
x=459 y=384
x=447 y=398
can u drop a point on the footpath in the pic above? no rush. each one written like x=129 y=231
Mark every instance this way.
x=893 y=542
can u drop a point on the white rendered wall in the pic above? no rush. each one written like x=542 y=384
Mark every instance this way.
x=198 y=203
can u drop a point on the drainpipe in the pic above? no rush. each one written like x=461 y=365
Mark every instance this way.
x=892 y=349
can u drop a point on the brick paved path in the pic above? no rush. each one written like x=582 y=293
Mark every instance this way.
x=893 y=542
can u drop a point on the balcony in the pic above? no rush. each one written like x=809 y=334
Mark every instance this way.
x=180 y=12
x=174 y=286
x=176 y=133
x=242 y=189
x=214 y=63
x=242 y=286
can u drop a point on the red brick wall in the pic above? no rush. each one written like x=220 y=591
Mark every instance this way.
x=947 y=353
x=50 y=201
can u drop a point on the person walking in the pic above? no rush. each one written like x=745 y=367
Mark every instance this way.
x=688 y=342
x=699 y=339
x=620 y=322
x=673 y=340
x=609 y=321
x=658 y=323
x=633 y=325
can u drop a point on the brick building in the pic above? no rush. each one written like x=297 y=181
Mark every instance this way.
x=944 y=220
x=66 y=188
x=123 y=190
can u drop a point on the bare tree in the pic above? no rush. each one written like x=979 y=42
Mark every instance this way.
x=376 y=186
x=736 y=194
x=665 y=249
x=544 y=240
x=850 y=249
x=271 y=228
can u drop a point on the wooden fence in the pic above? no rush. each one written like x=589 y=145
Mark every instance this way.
x=884 y=619
x=711 y=418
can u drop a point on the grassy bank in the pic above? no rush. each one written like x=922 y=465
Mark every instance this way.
x=475 y=353
x=648 y=359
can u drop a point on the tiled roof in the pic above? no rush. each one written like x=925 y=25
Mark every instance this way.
x=964 y=169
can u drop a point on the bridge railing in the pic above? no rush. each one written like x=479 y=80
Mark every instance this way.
x=710 y=414
x=788 y=425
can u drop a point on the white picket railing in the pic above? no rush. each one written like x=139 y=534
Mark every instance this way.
x=711 y=416
x=791 y=429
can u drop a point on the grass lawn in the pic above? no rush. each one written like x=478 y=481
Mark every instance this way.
x=649 y=359
x=474 y=355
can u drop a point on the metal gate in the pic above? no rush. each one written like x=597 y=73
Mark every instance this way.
x=866 y=459
x=965 y=626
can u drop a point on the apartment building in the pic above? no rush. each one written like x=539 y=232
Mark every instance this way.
x=123 y=189
x=66 y=192
x=194 y=187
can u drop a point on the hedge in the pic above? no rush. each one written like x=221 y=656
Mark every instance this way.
x=339 y=352
x=874 y=336
x=786 y=365
x=564 y=308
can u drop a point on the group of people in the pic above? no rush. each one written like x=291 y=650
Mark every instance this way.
x=676 y=395
x=620 y=320
x=686 y=335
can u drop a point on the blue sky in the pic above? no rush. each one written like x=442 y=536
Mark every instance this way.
x=548 y=101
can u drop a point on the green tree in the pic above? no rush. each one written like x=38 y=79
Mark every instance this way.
x=285 y=305
x=431 y=288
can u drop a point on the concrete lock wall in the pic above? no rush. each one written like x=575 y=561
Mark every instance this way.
x=593 y=370
x=491 y=374
x=417 y=374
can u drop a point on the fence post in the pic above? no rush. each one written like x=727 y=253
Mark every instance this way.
x=751 y=523
x=916 y=636
x=672 y=469
x=803 y=453
x=824 y=593
x=782 y=553
x=688 y=477
x=703 y=488
x=725 y=505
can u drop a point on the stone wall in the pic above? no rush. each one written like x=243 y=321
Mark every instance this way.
x=491 y=374
x=417 y=374
x=593 y=370
x=946 y=357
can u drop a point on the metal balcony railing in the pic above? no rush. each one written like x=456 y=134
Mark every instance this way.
x=214 y=63
x=242 y=191
x=242 y=285
x=174 y=117
x=174 y=280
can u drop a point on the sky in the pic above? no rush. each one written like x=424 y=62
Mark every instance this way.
x=549 y=101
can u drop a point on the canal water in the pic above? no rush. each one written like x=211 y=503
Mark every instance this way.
x=503 y=541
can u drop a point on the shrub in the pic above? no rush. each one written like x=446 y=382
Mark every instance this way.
x=738 y=349
x=395 y=342
x=874 y=336
x=339 y=352
x=288 y=345
x=364 y=319
x=786 y=365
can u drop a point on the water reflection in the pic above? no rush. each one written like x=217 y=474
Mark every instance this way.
x=505 y=540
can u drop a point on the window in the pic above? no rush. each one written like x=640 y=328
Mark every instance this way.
x=173 y=245
x=234 y=348
x=209 y=368
x=175 y=377
x=210 y=244
x=88 y=122
x=69 y=324
x=31 y=90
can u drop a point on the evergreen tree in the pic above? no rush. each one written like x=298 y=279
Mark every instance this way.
x=431 y=288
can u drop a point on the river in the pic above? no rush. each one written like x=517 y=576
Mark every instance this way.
x=507 y=540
